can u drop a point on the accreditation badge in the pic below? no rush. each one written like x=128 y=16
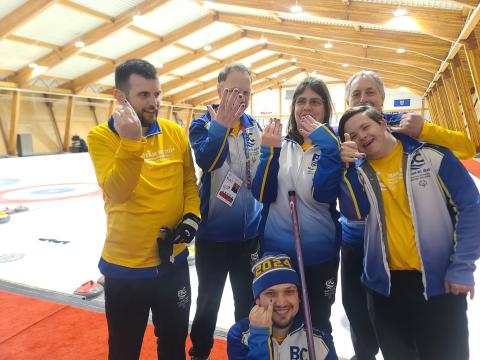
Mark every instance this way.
x=230 y=187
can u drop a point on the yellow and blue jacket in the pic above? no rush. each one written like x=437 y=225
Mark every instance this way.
x=445 y=206
x=247 y=342
x=147 y=184
x=456 y=141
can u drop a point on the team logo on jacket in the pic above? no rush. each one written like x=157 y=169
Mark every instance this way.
x=313 y=165
x=417 y=162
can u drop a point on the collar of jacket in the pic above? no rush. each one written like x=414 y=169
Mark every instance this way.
x=410 y=145
x=154 y=129
x=246 y=120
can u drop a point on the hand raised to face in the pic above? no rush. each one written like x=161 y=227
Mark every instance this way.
x=232 y=106
x=261 y=317
x=307 y=125
x=272 y=134
x=349 y=151
x=125 y=120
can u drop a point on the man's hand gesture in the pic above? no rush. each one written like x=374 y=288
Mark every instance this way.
x=411 y=124
x=231 y=107
x=349 y=151
x=261 y=317
x=126 y=122
x=272 y=134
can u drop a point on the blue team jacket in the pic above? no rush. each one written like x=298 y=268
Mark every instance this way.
x=309 y=174
x=217 y=152
x=445 y=207
x=245 y=342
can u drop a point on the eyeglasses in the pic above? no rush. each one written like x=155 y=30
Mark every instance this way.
x=313 y=102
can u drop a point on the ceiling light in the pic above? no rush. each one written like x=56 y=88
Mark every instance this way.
x=32 y=65
x=328 y=45
x=263 y=40
x=345 y=65
x=400 y=12
x=293 y=60
x=400 y=50
x=403 y=89
x=137 y=19
x=296 y=9
x=284 y=80
x=79 y=44
x=39 y=70
x=207 y=47
x=274 y=76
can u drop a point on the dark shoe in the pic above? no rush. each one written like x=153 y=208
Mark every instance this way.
x=195 y=356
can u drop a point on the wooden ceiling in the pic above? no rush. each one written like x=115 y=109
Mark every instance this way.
x=334 y=38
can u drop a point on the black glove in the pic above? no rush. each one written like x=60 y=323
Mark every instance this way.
x=165 y=247
x=186 y=230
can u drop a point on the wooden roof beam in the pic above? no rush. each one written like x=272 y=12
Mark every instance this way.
x=56 y=57
x=431 y=21
x=345 y=74
x=102 y=71
x=410 y=41
x=21 y=15
x=355 y=50
x=211 y=68
x=372 y=65
x=183 y=60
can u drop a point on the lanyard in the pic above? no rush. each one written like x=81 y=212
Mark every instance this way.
x=248 y=170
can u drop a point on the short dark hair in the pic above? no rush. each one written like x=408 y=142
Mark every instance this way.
x=222 y=76
x=368 y=111
x=318 y=86
x=133 y=66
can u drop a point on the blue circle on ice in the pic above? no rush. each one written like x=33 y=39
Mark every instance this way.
x=52 y=191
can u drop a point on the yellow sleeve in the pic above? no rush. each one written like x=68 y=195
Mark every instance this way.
x=190 y=188
x=117 y=163
x=456 y=141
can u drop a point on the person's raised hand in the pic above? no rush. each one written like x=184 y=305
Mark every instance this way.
x=126 y=122
x=261 y=317
x=307 y=125
x=232 y=106
x=272 y=134
x=411 y=124
x=349 y=151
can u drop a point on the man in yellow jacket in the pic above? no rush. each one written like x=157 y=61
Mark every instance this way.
x=144 y=167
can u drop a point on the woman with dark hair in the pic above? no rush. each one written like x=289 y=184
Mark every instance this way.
x=306 y=161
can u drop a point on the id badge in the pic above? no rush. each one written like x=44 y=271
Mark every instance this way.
x=230 y=187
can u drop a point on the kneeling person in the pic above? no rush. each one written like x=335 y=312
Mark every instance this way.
x=275 y=324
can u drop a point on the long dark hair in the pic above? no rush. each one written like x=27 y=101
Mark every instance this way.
x=320 y=88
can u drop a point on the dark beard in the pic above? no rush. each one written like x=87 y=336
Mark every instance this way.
x=147 y=123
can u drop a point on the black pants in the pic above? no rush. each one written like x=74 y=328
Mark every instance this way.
x=410 y=327
x=321 y=285
x=354 y=299
x=213 y=261
x=127 y=306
